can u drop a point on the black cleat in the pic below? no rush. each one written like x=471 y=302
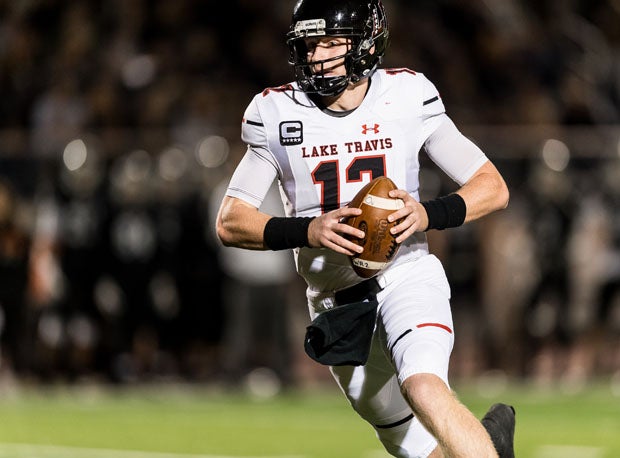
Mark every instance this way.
x=499 y=421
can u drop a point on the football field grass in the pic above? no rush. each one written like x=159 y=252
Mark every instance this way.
x=190 y=422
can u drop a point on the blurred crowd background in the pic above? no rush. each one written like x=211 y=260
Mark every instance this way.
x=119 y=128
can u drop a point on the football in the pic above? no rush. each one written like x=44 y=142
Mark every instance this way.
x=380 y=246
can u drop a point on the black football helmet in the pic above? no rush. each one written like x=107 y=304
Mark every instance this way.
x=363 y=21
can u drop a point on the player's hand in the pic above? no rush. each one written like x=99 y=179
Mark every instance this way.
x=413 y=216
x=329 y=231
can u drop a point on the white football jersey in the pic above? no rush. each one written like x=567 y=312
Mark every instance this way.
x=321 y=160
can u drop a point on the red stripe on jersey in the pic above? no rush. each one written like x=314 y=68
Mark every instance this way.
x=437 y=325
x=283 y=88
x=394 y=71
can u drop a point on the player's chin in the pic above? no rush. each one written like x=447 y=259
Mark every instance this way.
x=325 y=75
x=327 y=72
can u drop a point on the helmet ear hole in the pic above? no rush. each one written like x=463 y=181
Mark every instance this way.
x=365 y=45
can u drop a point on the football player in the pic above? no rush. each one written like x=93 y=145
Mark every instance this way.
x=342 y=122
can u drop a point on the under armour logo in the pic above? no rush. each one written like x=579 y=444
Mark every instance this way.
x=374 y=129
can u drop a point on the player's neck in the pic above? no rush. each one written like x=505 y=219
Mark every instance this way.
x=348 y=100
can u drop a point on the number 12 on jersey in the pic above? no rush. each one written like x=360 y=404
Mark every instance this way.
x=327 y=175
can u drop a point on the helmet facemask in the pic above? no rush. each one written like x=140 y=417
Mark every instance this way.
x=311 y=76
x=367 y=44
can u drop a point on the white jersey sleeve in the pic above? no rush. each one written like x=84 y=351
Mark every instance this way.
x=446 y=146
x=433 y=109
x=258 y=169
x=454 y=153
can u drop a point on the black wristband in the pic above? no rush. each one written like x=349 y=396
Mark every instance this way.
x=286 y=233
x=444 y=212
